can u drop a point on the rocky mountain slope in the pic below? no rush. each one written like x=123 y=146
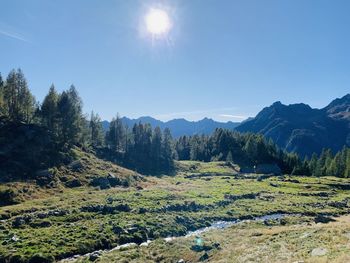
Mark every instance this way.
x=302 y=129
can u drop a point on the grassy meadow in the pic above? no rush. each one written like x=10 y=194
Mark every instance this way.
x=67 y=221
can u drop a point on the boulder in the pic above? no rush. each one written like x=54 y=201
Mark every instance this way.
x=94 y=255
x=323 y=219
x=76 y=166
x=318 y=252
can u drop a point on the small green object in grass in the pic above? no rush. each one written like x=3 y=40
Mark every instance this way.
x=199 y=241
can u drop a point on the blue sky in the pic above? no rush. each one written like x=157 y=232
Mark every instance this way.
x=223 y=59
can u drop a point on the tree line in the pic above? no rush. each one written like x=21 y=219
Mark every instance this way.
x=249 y=149
x=141 y=147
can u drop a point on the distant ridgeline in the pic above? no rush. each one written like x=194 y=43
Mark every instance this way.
x=179 y=127
x=301 y=129
x=36 y=136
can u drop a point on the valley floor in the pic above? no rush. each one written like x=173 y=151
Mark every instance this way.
x=86 y=219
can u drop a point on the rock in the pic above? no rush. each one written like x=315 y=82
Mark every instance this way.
x=204 y=257
x=145 y=244
x=14 y=238
x=111 y=175
x=109 y=200
x=142 y=210
x=37 y=224
x=323 y=219
x=181 y=261
x=101 y=182
x=94 y=255
x=76 y=166
x=18 y=222
x=318 y=252
x=73 y=183
x=113 y=180
x=274 y=185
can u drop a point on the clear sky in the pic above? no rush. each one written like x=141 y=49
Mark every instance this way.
x=224 y=59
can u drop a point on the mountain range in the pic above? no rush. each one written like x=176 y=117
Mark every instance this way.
x=180 y=127
x=302 y=129
x=295 y=127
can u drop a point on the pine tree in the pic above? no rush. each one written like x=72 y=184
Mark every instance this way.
x=156 y=151
x=19 y=103
x=347 y=163
x=313 y=164
x=49 y=111
x=116 y=135
x=337 y=167
x=319 y=169
x=96 y=131
x=167 y=150
x=71 y=120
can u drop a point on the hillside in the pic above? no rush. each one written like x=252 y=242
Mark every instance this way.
x=302 y=129
x=180 y=127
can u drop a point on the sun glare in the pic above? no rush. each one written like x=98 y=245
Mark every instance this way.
x=158 y=22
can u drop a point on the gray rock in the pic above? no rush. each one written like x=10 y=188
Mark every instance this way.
x=14 y=238
x=319 y=251
x=94 y=255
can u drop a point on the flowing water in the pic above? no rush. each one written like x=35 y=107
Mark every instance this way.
x=198 y=232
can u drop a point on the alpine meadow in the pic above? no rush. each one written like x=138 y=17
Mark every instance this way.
x=173 y=144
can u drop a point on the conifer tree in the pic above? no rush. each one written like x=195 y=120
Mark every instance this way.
x=18 y=101
x=49 y=111
x=71 y=120
x=96 y=131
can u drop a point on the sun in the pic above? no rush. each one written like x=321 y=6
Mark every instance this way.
x=158 y=22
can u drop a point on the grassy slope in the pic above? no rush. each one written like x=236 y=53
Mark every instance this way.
x=201 y=199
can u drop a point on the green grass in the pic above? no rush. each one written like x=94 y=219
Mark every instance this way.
x=78 y=232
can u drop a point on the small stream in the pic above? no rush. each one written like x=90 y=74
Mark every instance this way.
x=213 y=226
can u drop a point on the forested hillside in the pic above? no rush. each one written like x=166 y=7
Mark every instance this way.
x=36 y=136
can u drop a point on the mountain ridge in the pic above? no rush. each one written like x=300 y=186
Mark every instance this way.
x=302 y=129
x=179 y=126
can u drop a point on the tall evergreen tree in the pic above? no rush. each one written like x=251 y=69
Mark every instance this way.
x=18 y=101
x=347 y=164
x=49 y=111
x=70 y=117
x=156 y=151
x=116 y=135
x=96 y=131
x=167 y=150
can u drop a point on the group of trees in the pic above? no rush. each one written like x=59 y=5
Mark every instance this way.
x=141 y=147
x=145 y=149
x=246 y=149
x=60 y=115
x=16 y=101
x=328 y=164
x=253 y=149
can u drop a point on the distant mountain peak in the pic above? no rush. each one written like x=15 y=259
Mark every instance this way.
x=302 y=129
x=339 y=108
